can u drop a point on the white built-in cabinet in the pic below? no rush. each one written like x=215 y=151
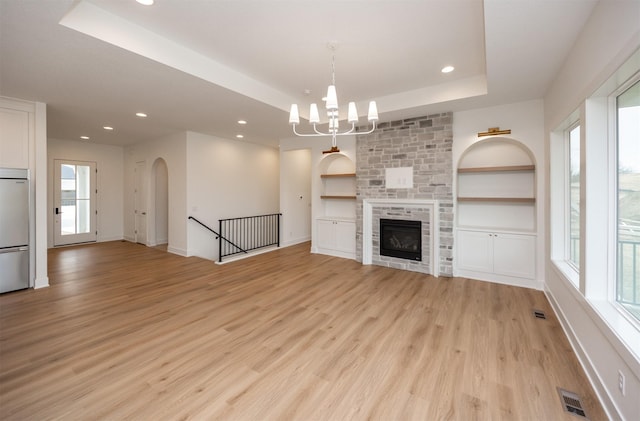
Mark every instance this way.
x=496 y=252
x=496 y=211
x=15 y=131
x=336 y=236
x=336 y=222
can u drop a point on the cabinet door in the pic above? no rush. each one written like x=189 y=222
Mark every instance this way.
x=326 y=234
x=475 y=251
x=14 y=138
x=345 y=236
x=514 y=255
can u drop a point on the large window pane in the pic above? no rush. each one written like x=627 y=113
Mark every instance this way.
x=574 y=196
x=68 y=199
x=75 y=182
x=83 y=221
x=628 y=253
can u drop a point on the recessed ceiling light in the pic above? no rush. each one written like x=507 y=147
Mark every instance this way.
x=239 y=136
x=447 y=69
x=108 y=128
x=84 y=137
x=141 y=115
x=145 y=2
x=242 y=122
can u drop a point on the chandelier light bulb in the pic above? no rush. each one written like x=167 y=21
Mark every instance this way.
x=373 y=111
x=294 y=117
x=352 y=116
x=332 y=98
x=314 y=116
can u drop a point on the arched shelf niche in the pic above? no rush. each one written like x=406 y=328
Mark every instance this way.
x=336 y=227
x=496 y=185
x=338 y=175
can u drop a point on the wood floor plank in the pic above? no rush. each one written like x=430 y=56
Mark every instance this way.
x=130 y=332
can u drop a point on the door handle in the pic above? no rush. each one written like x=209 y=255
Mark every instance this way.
x=144 y=213
x=58 y=211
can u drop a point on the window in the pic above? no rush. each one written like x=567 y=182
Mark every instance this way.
x=565 y=193
x=573 y=195
x=628 y=199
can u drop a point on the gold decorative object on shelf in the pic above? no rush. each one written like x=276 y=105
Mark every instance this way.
x=493 y=131
x=333 y=149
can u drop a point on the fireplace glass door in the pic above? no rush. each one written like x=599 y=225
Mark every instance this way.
x=400 y=238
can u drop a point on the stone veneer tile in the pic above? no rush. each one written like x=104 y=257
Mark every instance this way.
x=423 y=143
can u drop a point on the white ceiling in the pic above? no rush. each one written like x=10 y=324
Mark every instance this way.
x=203 y=65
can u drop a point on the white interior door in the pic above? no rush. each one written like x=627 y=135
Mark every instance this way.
x=140 y=203
x=75 y=202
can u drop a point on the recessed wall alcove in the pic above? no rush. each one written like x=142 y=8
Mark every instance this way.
x=496 y=212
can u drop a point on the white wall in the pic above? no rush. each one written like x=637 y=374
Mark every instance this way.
x=160 y=185
x=526 y=121
x=610 y=36
x=226 y=179
x=173 y=150
x=110 y=164
x=295 y=196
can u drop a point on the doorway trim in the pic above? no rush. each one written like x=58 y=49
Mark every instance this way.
x=90 y=235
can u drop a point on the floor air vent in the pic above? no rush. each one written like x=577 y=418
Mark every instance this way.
x=571 y=403
x=539 y=314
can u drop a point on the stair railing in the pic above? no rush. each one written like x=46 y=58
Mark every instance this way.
x=250 y=232
x=241 y=235
x=221 y=238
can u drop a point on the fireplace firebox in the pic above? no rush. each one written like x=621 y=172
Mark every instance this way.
x=400 y=238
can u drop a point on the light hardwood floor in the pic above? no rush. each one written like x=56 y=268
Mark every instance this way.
x=130 y=332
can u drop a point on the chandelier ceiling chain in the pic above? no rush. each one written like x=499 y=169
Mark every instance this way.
x=332 y=112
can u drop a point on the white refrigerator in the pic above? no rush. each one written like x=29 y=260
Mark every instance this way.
x=14 y=229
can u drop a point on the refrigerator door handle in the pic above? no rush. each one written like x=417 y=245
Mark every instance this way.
x=13 y=249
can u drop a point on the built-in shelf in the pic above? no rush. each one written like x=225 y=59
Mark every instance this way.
x=343 y=175
x=335 y=216
x=497 y=169
x=496 y=214
x=498 y=199
x=337 y=197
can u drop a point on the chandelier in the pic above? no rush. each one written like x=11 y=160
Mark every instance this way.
x=331 y=104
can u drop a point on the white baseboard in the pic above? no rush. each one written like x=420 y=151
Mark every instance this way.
x=500 y=279
x=294 y=242
x=41 y=282
x=585 y=362
x=336 y=253
x=111 y=238
x=178 y=251
x=250 y=254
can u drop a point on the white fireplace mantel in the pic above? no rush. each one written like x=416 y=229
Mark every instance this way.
x=434 y=223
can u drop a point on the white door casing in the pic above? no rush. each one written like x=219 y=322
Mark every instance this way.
x=75 y=204
x=140 y=203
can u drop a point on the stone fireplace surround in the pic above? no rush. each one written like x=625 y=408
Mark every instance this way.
x=410 y=209
x=423 y=144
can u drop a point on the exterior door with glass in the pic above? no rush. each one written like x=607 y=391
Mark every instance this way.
x=74 y=202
